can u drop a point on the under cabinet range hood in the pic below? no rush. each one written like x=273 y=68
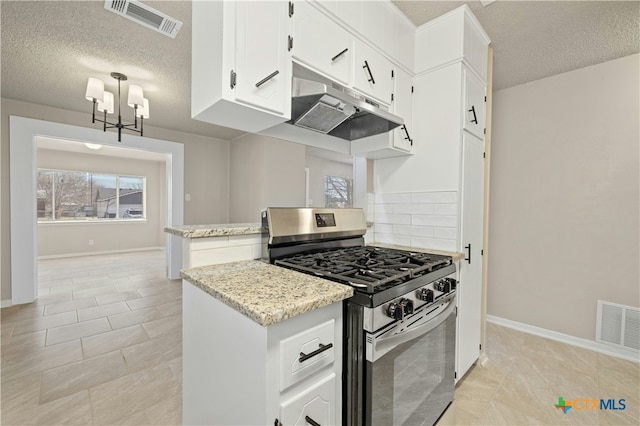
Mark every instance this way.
x=337 y=112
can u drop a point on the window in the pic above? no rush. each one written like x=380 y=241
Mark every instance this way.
x=338 y=192
x=82 y=196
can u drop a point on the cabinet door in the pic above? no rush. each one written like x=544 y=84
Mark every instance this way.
x=470 y=288
x=474 y=104
x=403 y=107
x=263 y=66
x=321 y=44
x=372 y=73
x=317 y=402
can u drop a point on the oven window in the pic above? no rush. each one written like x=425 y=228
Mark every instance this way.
x=413 y=384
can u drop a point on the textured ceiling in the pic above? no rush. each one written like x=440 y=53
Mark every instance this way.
x=50 y=48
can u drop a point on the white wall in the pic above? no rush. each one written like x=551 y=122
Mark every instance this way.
x=72 y=238
x=210 y=184
x=318 y=169
x=264 y=172
x=565 y=184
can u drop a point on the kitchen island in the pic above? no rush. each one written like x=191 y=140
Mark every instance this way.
x=218 y=243
x=260 y=343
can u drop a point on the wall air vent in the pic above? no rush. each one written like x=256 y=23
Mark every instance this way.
x=618 y=325
x=145 y=15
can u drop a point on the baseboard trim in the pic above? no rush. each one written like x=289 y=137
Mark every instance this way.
x=5 y=303
x=96 y=253
x=623 y=353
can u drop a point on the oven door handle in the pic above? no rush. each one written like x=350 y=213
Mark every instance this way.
x=383 y=345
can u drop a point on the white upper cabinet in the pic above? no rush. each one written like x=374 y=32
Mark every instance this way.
x=241 y=67
x=456 y=35
x=372 y=73
x=321 y=44
x=262 y=63
x=474 y=104
x=403 y=107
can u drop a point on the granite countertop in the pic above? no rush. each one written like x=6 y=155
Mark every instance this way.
x=454 y=254
x=215 y=230
x=266 y=293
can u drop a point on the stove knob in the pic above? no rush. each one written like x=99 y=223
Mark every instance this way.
x=407 y=305
x=452 y=283
x=425 y=294
x=395 y=311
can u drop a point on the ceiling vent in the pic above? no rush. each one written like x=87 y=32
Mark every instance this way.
x=145 y=15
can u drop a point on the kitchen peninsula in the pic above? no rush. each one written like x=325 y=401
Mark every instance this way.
x=218 y=243
x=260 y=342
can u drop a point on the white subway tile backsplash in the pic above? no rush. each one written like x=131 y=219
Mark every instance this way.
x=413 y=208
x=384 y=228
x=396 y=219
x=383 y=208
x=420 y=219
x=393 y=198
x=433 y=220
x=435 y=197
x=412 y=230
x=445 y=209
x=433 y=243
x=401 y=240
x=446 y=233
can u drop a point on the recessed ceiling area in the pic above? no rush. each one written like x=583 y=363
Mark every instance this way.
x=50 y=49
x=54 y=144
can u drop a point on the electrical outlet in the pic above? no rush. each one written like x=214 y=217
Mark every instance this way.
x=90 y=242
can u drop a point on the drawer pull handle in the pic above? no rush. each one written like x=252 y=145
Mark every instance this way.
x=267 y=78
x=339 y=54
x=311 y=421
x=321 y=348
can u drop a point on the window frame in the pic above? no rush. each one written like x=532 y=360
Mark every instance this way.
x=96 y=220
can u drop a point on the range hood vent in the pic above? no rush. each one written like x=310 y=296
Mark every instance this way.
x=338 y=112
x=145 y=15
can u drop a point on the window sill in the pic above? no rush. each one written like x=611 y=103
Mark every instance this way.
x=92 y=222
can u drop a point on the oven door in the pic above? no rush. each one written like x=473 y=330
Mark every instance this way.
x=410 y=366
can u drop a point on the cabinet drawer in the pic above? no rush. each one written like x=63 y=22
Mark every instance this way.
x=316 y=402
x=305 y=353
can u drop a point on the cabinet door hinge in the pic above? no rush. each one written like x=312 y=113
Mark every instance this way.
x=392 y=97
x=290 y=9
x=481 y=252
x=480 y=346
x=485 y=99
x=411 y=89
x=484 y=155
x=233 y=79
x=484 y=131
x=289 y=43
x=391 y=73
x=455 y=374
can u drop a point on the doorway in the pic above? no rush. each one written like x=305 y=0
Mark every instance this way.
x=23 y=159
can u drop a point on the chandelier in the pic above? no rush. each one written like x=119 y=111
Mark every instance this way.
x=103 y=101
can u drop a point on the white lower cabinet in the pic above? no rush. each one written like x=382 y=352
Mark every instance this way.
x=314 y=404
x=237 y=372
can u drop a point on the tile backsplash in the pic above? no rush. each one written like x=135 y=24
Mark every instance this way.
x=415 y=219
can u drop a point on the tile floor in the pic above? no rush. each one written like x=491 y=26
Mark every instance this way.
x=102 y=345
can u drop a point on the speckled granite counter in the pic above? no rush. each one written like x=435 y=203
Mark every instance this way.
x=266 y=293
x=454 y=254
x=216 y=230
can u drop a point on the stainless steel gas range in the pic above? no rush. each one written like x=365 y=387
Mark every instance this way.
x=400 y=324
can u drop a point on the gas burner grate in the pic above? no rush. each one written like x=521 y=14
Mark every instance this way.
x=370 y=269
